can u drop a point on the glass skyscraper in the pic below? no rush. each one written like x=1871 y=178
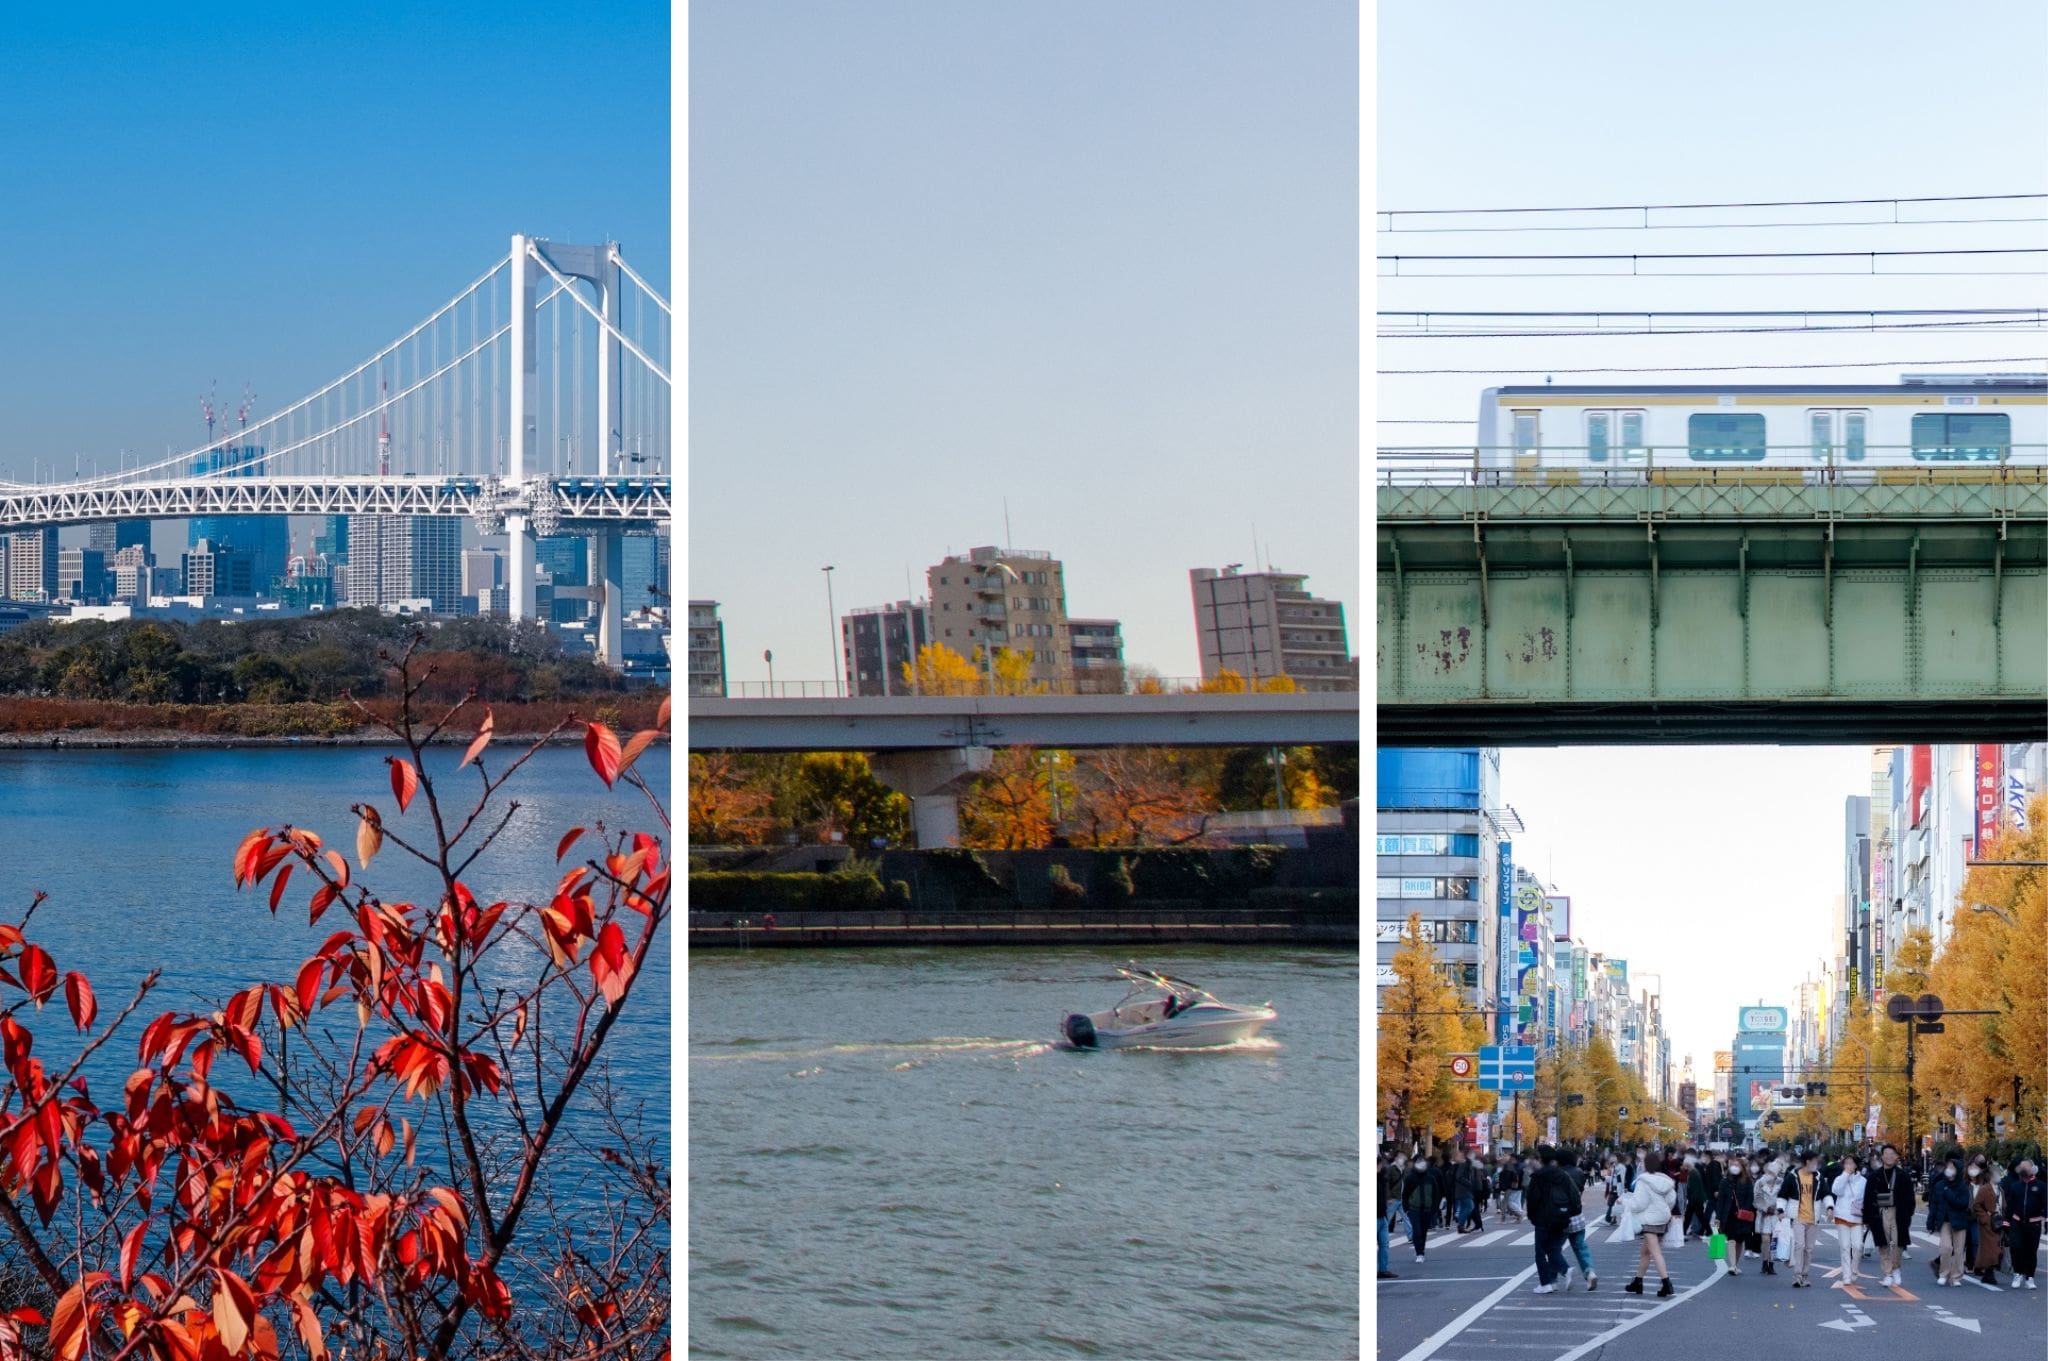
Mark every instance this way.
x=266 y=539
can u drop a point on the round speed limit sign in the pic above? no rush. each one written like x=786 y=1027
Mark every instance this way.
x=1461 y=1065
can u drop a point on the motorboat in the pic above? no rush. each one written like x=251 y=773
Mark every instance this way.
x=1165 y=1012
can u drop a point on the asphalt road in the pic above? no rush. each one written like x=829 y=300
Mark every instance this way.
x=1471 y=1300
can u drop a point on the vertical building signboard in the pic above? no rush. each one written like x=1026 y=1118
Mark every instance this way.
x=2016 y=791
x=1507 y=936
x=1990 y=792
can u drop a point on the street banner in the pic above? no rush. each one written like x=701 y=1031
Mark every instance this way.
x=1990 y=792
x=1550 y=1130
x=1506 y=888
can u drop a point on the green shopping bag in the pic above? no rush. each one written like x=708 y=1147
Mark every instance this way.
x=1717 y=1248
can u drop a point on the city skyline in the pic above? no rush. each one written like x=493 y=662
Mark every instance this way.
x=1072 y=279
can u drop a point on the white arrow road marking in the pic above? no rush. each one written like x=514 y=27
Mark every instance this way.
x=1857 y=1319
x=1946 y=1317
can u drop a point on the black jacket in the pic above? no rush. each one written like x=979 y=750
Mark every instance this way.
x=1899 y=1183
x=1420 y=1191
x=1552 y=1199
x=2021 y=1200
x=1948 y=1203
x=1468 y=1179
x=1735 y=1194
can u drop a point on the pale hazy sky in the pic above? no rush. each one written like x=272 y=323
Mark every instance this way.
x=1717 y=867
x=1099 y=259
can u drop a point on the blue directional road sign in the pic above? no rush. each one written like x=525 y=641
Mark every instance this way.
x=1507 y=1068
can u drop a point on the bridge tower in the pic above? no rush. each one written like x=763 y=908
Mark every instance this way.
x=599 y=266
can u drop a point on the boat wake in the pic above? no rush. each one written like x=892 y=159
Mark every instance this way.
x=1257 y=1044
x=915 y=1053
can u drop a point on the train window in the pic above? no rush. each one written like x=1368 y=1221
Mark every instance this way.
x=1601 y=442
x=1939 y=435
x=1725 y=439
x=1838 y=434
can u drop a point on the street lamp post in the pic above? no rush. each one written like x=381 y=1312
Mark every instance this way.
x=832 y=624
x=768 y=656
x=1277 y=759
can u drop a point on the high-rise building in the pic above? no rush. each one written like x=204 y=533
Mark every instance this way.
x=1004 y=598
x=266 y=539
x=1262 y=624
x=1759 y=1058
x=643 y=576
x=330 y=541
x=879 y=642
x=567 y=560
x=707 y=650
x=32 y=564
x=81 y=575
x=108 y=537
x=1097 y=646
x=394 y=558
x=130 y=569
x=211 y=569
x=1438 y=849
x=483 y=570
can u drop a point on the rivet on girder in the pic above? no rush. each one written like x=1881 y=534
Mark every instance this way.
x=1913 y=579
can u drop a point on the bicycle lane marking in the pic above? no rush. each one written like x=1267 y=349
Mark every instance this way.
x=1430 y=1345
x=1720 y=1270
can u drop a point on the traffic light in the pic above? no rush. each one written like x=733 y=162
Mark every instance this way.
x=1816 y=1089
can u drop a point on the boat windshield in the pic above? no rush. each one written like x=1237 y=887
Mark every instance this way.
x=1146 y=983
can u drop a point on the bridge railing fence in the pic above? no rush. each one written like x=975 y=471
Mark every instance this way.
x=1505 y=465
x=1159 y=685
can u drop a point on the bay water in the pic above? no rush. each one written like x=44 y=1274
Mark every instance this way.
x=892 y=1156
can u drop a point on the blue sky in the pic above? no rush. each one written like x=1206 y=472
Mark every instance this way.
x=1508 y=105
x=1099 y=259
x=267 y=194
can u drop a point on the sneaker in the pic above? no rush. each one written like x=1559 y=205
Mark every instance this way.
x=1420 y=1259
x=1387 y=1276
x=1544 y=1290
x=1592 y=1280
x=1564 y=1282
x=2030 y=1282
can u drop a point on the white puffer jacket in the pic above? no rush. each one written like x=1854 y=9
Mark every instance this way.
x=1652 y=1200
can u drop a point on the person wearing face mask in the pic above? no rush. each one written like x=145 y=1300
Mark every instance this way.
x=1768 y=1179
x=1419 y=1195
x=2025 y=1207
x=1735 y=1211
x=1888 y=1212
x=1990 y=1247
x=1804 y=1188
x=1948 y=1218
x=1650 y=1203
x=1848 y=1194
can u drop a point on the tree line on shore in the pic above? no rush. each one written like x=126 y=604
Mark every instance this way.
x=303 y=659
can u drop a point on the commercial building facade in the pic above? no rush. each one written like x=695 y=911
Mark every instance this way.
x=878 y=642
x=996 y=598
x=1437 y=848
x=399 y=558
x=706 y=651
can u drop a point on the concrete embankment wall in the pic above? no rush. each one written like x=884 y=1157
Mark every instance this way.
x=1192 y=925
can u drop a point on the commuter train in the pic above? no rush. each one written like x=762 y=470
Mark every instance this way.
x=1962 y=426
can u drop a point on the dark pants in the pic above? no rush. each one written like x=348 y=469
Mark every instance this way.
x=1465 y=1210
x=1384 y=1268
x=1695 y=1220
x=1550 y=1263
x=1418 y=1228
x=2025 y=1240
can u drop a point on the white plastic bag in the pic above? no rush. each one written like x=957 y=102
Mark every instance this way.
x=1628 y=1222
x=1674 y=1234
x=1782 y=1248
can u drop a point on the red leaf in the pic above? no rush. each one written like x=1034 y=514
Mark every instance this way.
x=131 y=1249
x=483 y=739
x=634 y=747
x=246 y=855
x=78 y=995
x=601 y=745
x=405 y=781
x=234 y=1308
x=38 y=973
x=608 y=967
x=567 y=841
x=308 y=984
x=284 y=877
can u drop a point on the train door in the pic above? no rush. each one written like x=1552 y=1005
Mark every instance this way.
x=1616 y=439
x=1837 y=440
x=1528 y=440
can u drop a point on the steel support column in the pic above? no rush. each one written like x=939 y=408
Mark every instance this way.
x=520 y=549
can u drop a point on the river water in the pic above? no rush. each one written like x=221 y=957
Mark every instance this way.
x=890 y=1158
x=135 y=850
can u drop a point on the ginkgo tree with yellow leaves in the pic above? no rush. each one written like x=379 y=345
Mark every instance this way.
x=1421 y=1024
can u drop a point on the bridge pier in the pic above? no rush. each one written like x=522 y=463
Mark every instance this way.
x=607 y=576
x=521 y=556
x=931 y=778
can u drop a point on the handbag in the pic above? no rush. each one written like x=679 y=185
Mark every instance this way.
x=1745 y=1216
x=1674 y=1234
x=1717 y=1248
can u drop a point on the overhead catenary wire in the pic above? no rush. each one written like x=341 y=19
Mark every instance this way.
x=1712 y=226
x=1702 y=207
x=1736 y=312
x=1718 y=368
x=1731 y=254
x=1986 y=325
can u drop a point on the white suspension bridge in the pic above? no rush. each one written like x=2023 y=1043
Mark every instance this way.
x=536 y=402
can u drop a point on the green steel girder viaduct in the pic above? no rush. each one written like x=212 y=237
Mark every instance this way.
x=1555 y=613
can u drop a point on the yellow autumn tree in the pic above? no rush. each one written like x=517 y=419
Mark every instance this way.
x=1996 y=960
x=1421 y=1023
x=1229 y=682
x=939 y=670
x=1009 y=806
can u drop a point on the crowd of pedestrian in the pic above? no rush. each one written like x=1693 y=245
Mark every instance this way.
x=1775 y=1206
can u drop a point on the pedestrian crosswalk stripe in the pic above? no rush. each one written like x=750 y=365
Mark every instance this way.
x=1524 y=1241
x=1485 y=1238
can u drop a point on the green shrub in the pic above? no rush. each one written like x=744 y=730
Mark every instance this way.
x=853 y=888
x=899 y=895
x=961 y=875
x=1117 y=888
